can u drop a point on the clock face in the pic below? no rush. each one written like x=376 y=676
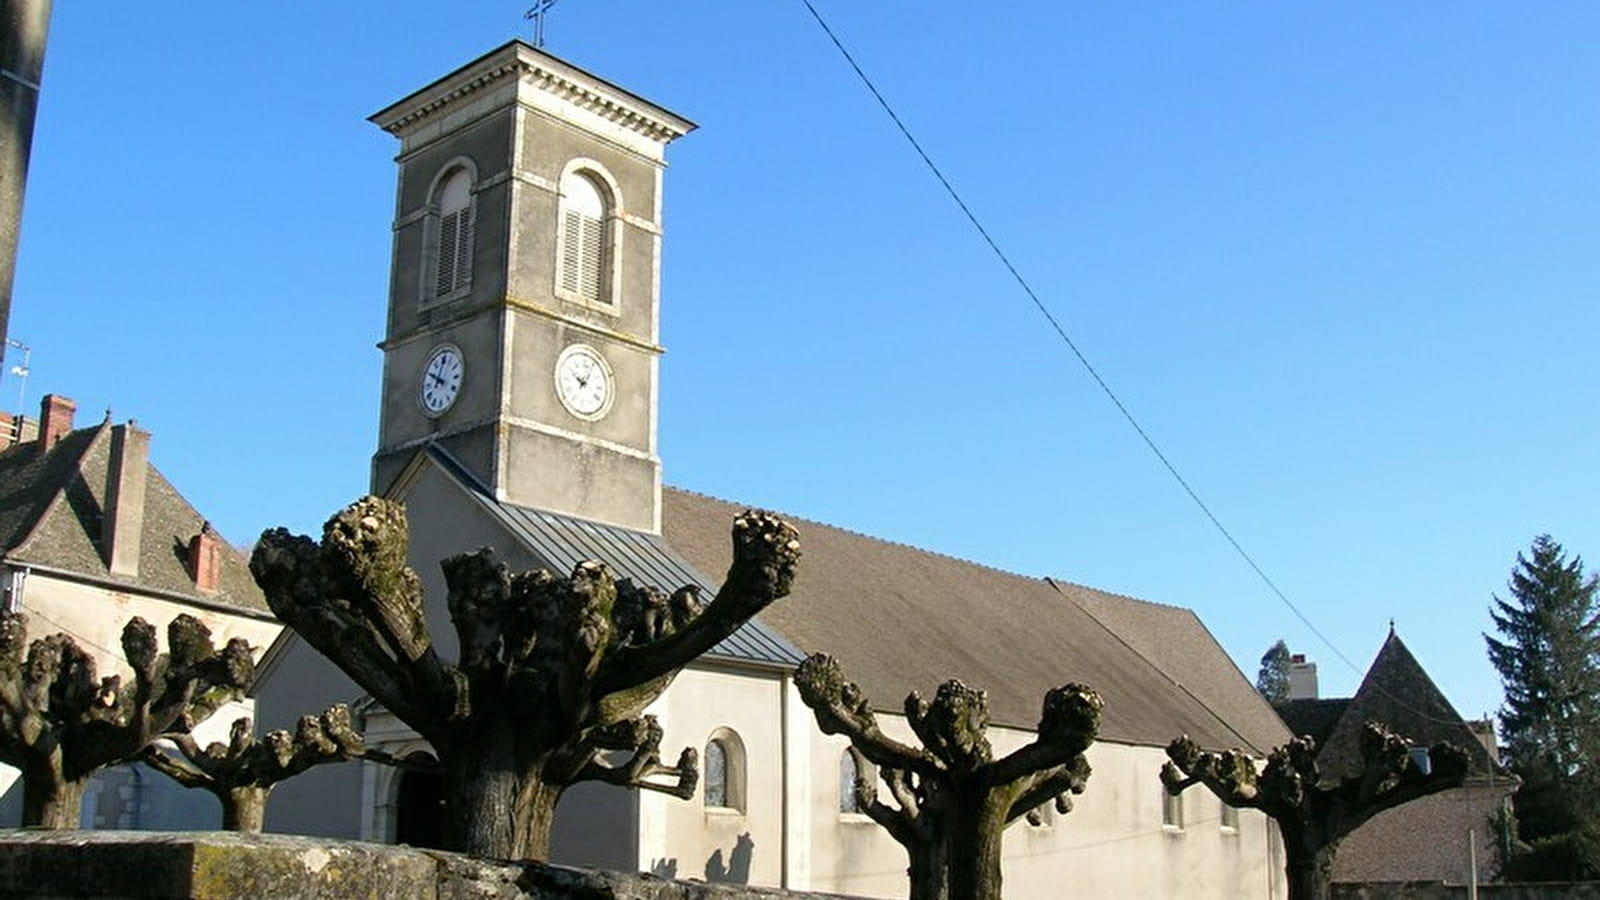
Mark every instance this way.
x=583 y=381
x=441 y=379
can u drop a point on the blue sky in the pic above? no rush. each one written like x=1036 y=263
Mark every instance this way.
x=1339 y=261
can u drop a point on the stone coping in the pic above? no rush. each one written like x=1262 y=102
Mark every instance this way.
x=212 y=865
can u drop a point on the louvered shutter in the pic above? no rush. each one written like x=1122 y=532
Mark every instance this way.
x=449 y=233
x=590 y=257
x=571 y=250
x=463 y=250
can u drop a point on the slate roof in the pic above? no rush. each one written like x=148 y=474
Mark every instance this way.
x=50 y=518
x=1314 y=718
x=1397 y=693
x=561 y=542
x=902 y=619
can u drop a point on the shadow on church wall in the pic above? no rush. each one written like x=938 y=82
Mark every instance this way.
x=737 y=868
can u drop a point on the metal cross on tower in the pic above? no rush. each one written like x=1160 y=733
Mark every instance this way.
x=537 y=13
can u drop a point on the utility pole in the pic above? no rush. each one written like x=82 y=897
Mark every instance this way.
x=23 y=27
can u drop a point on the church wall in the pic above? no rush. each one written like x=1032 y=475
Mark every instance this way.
x=544 y=155
x=599 y=484
x=628 y=421
x=402 y=418
x=685 y=839
x=485 y=145
x=324 y=800
x=1113 y=842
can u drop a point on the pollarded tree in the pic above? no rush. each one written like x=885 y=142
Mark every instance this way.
x=1314 y=817
x=554 y=673
x=242 y=773
x=953 y=799
x=60 y=723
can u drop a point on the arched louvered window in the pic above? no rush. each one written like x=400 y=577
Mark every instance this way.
x=452 y=270
x=585 y=222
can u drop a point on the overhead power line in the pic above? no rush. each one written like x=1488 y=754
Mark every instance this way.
x=1083 y=360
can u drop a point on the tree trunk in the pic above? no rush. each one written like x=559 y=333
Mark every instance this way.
x=244 y=809
x=49 y=801
x=928 y=870
x=976 y=831
x=1310 y=871
x=536 y=813
x=494 y=807
x=480 y=805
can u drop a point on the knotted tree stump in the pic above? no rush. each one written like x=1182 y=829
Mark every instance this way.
x=242 y=773
x=60 y=723
x=554 y=672
x=1314 y=814
x=952 y=799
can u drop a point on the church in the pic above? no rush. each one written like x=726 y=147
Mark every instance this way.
x=519 y=411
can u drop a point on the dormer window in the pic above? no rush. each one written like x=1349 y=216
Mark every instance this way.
x=452 y=257
x=584 y=244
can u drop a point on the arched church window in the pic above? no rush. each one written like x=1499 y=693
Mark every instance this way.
x=849 y=769
x=584 y=241
x=452 y=259
x=724 y=771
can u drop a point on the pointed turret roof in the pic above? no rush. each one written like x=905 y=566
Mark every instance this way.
x=1398 y=694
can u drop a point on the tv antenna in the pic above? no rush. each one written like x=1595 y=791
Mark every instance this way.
x=21 y=371
x=536 y=13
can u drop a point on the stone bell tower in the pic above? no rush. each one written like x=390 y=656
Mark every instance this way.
x=525 y=285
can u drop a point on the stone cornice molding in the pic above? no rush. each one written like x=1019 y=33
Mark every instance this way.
x=542 y=72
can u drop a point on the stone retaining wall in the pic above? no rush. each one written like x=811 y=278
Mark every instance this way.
x=138 y=865
x=1433 y=890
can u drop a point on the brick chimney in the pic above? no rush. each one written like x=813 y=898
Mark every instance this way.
x=55 y=419
x=205 y=559
x=122 y=524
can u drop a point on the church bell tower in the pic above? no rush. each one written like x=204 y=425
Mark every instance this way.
x=525 y=285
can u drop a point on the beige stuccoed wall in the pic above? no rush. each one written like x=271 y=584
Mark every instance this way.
x=1111 y=845
x=684 y=839
x=95 y=616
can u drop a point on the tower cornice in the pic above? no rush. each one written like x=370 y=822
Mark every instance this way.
x=540 y=72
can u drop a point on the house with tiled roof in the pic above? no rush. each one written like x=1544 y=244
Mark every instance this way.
x=1436 y=838
x=518 y=411
x=91 y=535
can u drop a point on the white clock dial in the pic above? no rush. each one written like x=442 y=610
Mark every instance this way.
x=441 y=380
x=583 y=381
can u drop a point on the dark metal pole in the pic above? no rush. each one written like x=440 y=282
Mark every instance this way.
x=23 y=27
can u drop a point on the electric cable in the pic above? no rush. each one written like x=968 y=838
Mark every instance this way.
x=1083 y=360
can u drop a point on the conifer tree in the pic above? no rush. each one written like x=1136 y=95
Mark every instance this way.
x=1273 y=678
x=1549 y=627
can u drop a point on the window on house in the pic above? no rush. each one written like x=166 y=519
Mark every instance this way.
x=1171 y=810
x=1230 y=818
x=1421 y=759
x=452 y=260
x=723 y=781
x=584 y=240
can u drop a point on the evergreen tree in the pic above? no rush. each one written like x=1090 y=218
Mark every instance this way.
x=1273 y=679
x=1548 y=656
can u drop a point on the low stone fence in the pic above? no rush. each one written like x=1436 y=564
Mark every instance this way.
x=139 y=865
x=1433 y=890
